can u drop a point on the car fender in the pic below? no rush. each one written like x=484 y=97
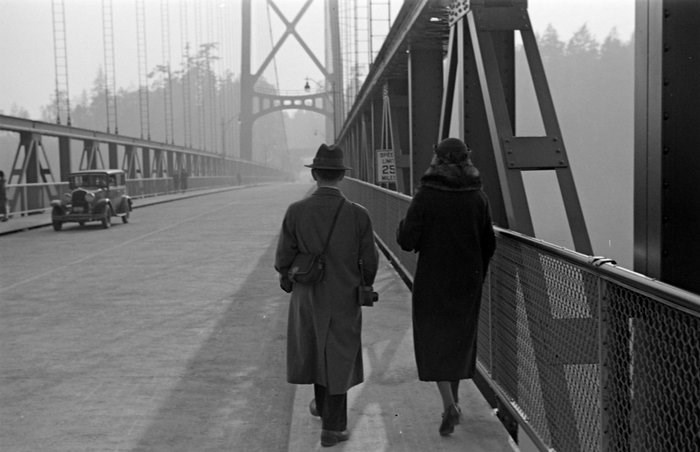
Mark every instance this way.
x=126 y=204
x=103 y=204
x=57 y=209
x=56 y=203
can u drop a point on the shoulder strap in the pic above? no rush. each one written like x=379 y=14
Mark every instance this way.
x=335 y=218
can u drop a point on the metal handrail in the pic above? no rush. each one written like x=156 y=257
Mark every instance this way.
x=608 y=337
x=665 y=293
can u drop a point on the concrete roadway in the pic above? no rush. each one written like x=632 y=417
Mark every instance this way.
x=168 y=334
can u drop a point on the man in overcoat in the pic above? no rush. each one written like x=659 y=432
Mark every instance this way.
x=325 y=319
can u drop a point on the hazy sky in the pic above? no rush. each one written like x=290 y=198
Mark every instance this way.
x=27 y=76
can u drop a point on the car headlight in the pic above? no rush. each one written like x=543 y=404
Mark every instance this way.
x=89 y=197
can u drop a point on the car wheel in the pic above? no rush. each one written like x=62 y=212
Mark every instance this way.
x=107 y=218
x=57 y=225
x=125 y=217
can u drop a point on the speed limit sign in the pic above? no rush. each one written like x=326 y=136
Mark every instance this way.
x=386 y=166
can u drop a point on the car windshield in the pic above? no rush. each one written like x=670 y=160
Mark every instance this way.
x=88 y=180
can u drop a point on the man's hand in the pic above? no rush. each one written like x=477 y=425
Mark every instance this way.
x=286 y=284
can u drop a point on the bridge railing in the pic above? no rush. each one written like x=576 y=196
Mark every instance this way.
x=25 y=199
x=584 y=354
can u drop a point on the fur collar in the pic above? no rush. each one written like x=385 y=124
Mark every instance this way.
x=452 y=177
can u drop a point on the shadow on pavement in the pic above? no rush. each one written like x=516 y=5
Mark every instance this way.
x=233 y=394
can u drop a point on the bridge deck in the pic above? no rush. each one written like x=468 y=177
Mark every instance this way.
x=390 y=411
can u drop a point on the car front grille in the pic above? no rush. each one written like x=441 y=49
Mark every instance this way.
x=78 y=199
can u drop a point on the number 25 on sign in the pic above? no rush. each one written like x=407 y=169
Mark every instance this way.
x=386 y=165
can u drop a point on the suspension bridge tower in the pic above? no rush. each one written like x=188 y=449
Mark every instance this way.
x=326 y=100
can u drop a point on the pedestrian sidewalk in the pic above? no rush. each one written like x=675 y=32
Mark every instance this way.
x=18 y=223
x=392 y=410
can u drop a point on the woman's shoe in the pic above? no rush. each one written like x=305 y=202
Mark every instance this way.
x=332 y=437
x=450 y=418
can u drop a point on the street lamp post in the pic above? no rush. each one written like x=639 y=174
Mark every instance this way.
x=330 y=93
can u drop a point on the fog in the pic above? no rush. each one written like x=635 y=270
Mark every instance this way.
x=589 y=66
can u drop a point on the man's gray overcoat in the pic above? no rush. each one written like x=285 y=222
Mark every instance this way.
x=324 y=330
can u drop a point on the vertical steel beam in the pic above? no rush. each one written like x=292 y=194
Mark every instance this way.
x=29 y=173
x=463 y=102
x=170 y=156
x=498 y=109
x=146 y=162
x=334 y=63
x=91 y=155
x=157 y=168
x=377 y=102
x=400 y=138
x=667 y=139
x=129 y=164
x=31 y=170
x=64 y=157
x=366 y=120
x=424 y=104
x=113 y=156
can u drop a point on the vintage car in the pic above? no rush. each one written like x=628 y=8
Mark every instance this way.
x=95 y=195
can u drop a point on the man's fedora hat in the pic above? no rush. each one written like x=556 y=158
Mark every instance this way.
x=328 y=157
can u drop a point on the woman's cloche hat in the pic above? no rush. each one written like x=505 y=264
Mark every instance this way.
x=328 y=157
x=452 y=150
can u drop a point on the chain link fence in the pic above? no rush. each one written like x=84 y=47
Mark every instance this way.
x=586 y=355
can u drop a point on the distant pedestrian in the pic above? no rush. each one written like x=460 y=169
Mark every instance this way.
x=325 y=319
x=183 y=179
x=448 y=224
x=176 y=181
x=3 y=198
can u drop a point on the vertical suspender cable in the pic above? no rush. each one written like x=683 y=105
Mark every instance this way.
x=186 y=83
x=213 y=122
x=167 y=71
x=109 y=74
x=199 y=91
x=142 y=68
x=223 y=114
x=60 y=60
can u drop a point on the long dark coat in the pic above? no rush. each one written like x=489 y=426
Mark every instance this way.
x=325 y=321
x=449 y=224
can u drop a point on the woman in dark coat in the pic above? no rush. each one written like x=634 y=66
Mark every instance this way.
x=449 y=224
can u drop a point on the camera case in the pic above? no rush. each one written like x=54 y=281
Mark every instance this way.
x=366 y=296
